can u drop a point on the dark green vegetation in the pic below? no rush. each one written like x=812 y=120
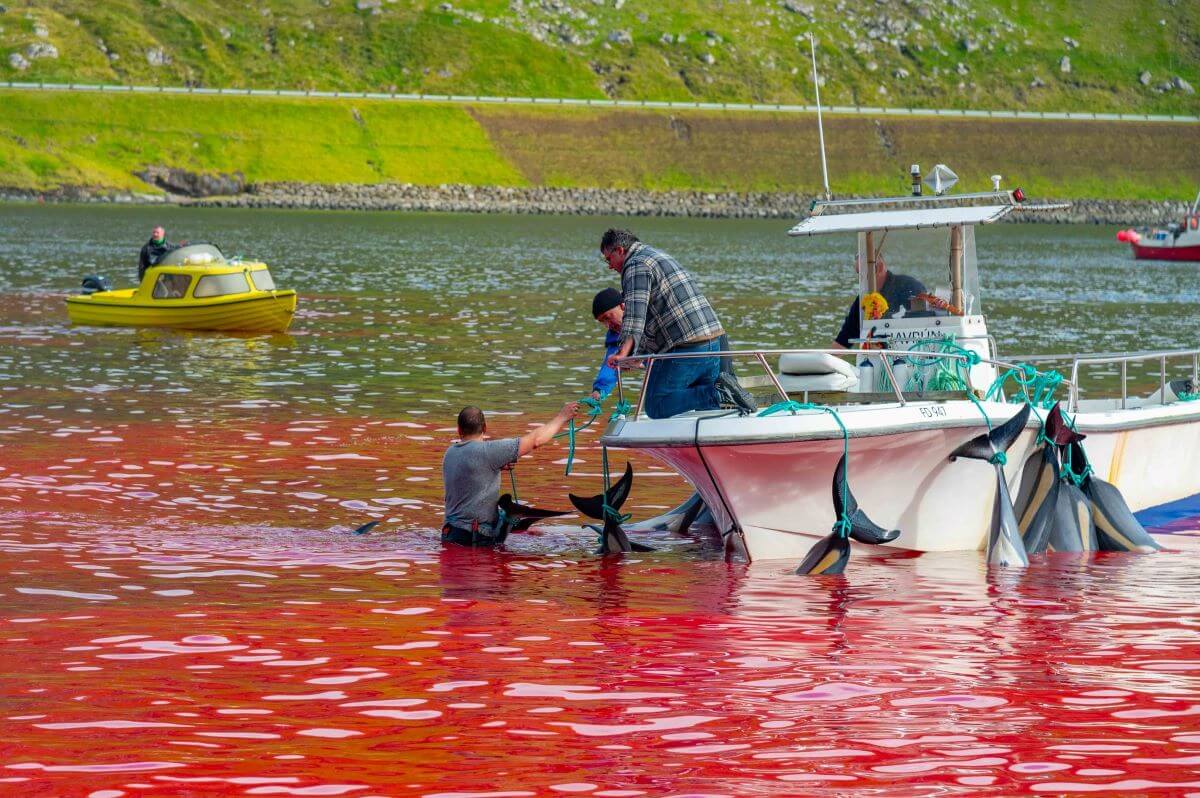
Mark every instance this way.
x=49 y=140
x=928 y=53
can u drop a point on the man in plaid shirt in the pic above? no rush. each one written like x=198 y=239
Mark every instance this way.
x=665 y=312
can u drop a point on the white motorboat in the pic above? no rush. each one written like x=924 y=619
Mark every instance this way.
x=924 y=379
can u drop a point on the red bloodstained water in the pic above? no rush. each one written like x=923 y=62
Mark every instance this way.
x=168 y=631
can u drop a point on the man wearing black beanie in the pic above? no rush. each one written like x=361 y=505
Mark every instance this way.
x=608 y=309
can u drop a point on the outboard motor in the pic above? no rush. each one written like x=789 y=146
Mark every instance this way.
x=94 y=282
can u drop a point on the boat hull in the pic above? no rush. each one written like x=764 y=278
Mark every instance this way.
x=772 y=497
x=262 y=312
x=1173 y=253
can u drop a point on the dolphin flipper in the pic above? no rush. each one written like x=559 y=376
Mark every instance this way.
x=1073 y=528
x=862 y=528
x=828 y=556
x=1036 y=499
x=1116 y=528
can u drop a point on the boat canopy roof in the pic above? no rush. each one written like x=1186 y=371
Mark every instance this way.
x=900 y=219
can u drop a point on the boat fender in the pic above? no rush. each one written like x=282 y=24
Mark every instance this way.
x=94 y=283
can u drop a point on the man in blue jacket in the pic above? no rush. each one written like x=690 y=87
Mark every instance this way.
x=608 y=309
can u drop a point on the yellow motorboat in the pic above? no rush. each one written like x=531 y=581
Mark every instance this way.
x=192 y=288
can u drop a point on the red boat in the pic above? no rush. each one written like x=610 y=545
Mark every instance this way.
x=1178 y=241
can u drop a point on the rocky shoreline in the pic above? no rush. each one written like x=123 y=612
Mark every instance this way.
x=571 y=201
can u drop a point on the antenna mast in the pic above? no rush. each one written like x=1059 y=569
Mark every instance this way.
x=812 y=43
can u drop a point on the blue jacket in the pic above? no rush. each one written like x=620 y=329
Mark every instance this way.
x=606 y=378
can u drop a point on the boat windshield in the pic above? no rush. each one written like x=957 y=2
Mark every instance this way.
x=262 y=280
x=926 y=273
x=193 y=255
x=221 y=285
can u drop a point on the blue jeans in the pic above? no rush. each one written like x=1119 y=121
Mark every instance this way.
x=676 y=386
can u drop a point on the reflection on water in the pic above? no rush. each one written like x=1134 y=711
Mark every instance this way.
x=186 y=611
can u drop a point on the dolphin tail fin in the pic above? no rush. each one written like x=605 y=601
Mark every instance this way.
x=862 y=528
x=828 y=556
x=614 y=497
x=999 y=439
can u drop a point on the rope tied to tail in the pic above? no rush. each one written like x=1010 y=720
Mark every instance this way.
x=843 y=524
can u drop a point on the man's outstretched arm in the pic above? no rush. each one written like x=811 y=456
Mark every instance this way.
x=545 y=433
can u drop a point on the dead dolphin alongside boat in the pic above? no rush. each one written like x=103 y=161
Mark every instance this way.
x=1072 y=528
x=1116 y=527
x=612 y=537
x=1036 y=499
x=832 y=552
x=517 y=517
x=1005 y=546
x=1112 y=526
x=679 y=520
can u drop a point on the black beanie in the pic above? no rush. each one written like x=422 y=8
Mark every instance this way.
x=605 y=301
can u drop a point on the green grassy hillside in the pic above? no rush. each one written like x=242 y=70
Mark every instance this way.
x=967 y=53
x=50 y=140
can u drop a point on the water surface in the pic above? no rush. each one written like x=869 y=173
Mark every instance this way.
x=186 y=613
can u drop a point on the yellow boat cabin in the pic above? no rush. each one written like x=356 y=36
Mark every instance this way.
x=193 y=288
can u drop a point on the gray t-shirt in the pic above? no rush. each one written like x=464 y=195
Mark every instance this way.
x=471 y=475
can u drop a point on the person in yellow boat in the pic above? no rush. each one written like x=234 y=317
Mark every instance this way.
x=154 y=250
x=471 y=474
x=898 y=290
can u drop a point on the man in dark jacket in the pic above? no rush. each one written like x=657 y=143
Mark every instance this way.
x=154 y=250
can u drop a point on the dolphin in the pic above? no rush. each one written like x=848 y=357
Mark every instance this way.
x=365 y=528
x=1036 y=499
x=1108 y=524
x=1005 y=547
x=1116 y=528
x=676 y=521
x=612 y=537
x=1073 y=528
x=517 y=517
x=830 y=554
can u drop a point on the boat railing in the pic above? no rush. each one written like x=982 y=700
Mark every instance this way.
x=1122 y=359
x=884 y=356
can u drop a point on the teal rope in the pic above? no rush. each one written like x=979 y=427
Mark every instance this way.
x=842 y=525
x=594 y=410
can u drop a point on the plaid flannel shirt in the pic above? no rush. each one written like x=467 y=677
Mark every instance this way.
x=663 y=305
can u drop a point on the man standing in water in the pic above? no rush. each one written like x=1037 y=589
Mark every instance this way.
x=471 y=474
x=154 y=250
x=666 y=313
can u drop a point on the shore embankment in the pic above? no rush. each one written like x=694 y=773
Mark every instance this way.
x=578 y=201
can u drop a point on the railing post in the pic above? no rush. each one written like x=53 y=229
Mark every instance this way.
x=783 y=397
x=1162 y=380
x=637 y=413
x=1124 y=387
x=891 y=375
